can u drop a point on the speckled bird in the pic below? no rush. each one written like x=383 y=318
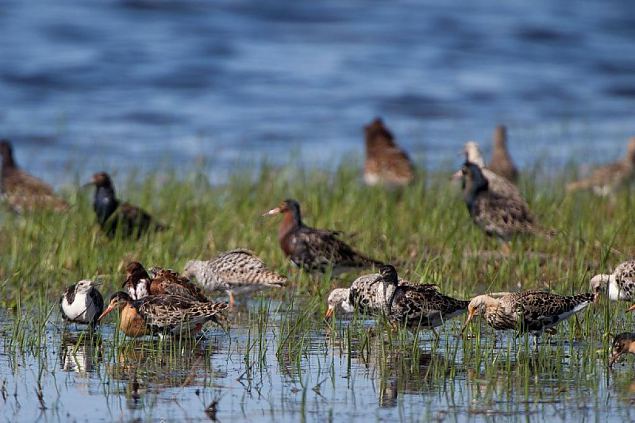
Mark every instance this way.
x=315 y=250
x=114 y=216
x=501 y=162
x=139 y=284
x=496 y=214
x=420 y=306
x=386 y=163
x=82 y=303
x=367 y=294
x=619 y=285
x=606 y=180
x=164 y=314
x=528 y=311
x=23 y=192
x=237 y=271
x=623 y=343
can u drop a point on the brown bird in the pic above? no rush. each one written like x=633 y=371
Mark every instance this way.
x=315 y=250
x=501 y=162
x=386 y=164
x=114 y=216
x=139 y=284
x=606 y=180
x=24 y=192
x=164 y=314
x=623 y=343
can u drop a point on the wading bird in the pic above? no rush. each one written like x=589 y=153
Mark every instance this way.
x=235 y=272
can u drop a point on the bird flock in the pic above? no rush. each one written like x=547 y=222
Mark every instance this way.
x=162 y=301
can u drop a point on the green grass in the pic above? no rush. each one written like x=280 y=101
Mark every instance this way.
x=424 y=229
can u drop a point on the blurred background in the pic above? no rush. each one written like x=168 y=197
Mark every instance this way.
x=113 y=84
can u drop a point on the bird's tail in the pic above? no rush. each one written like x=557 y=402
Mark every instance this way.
x=578 y=185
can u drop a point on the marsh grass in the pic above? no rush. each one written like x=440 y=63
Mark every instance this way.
x=424 y=229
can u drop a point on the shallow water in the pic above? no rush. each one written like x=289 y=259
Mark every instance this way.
x=127 y=84
x=267 y=370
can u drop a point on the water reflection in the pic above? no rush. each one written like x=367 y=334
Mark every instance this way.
x=80 y=353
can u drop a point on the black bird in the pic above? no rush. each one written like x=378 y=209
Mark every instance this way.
x=114 y=216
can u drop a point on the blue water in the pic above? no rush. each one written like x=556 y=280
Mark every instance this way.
x=91 y=84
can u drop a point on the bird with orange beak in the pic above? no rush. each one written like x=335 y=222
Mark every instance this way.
x=534 y=312
x=624 y=343
x=315 y=250
x=164 y=314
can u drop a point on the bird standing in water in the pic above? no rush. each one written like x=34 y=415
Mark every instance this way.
x=534 y=312
x=315 y=250
x=139 y=284
x=82 y=303
x=164 y=314
x=235 y=271
x=619 y=285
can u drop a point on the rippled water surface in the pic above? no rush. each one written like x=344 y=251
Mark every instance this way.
x=276 y=365
x=129 y=84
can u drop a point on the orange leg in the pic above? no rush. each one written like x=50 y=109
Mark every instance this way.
x=231 y=299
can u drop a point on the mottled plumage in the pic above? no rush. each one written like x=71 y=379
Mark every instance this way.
x=624 y=343
x=386 y=163
x=167 y=314
x=23 y=192
x=235 y=271
x=495 y=213
x=501 y=162
x=139 y=284
x=315 y=250
x=418 y=305
x=82 y=303
x=619 y=285
x=114 y=216
x=527 y=311
x=606 y=180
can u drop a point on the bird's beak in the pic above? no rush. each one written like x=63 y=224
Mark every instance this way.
x=631 y=308
x=96 y=283
x=329 y=312
x=456 y=176
x=470 y=315
x=614 y=358
x=87 y=184
x=106 y=312
x=271 y=212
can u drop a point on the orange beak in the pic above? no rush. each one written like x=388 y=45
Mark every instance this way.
x=329 y=312
x=106 y=312
x=470 y=316
x=614 y=358
x=631 y=308
x=271 y=212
